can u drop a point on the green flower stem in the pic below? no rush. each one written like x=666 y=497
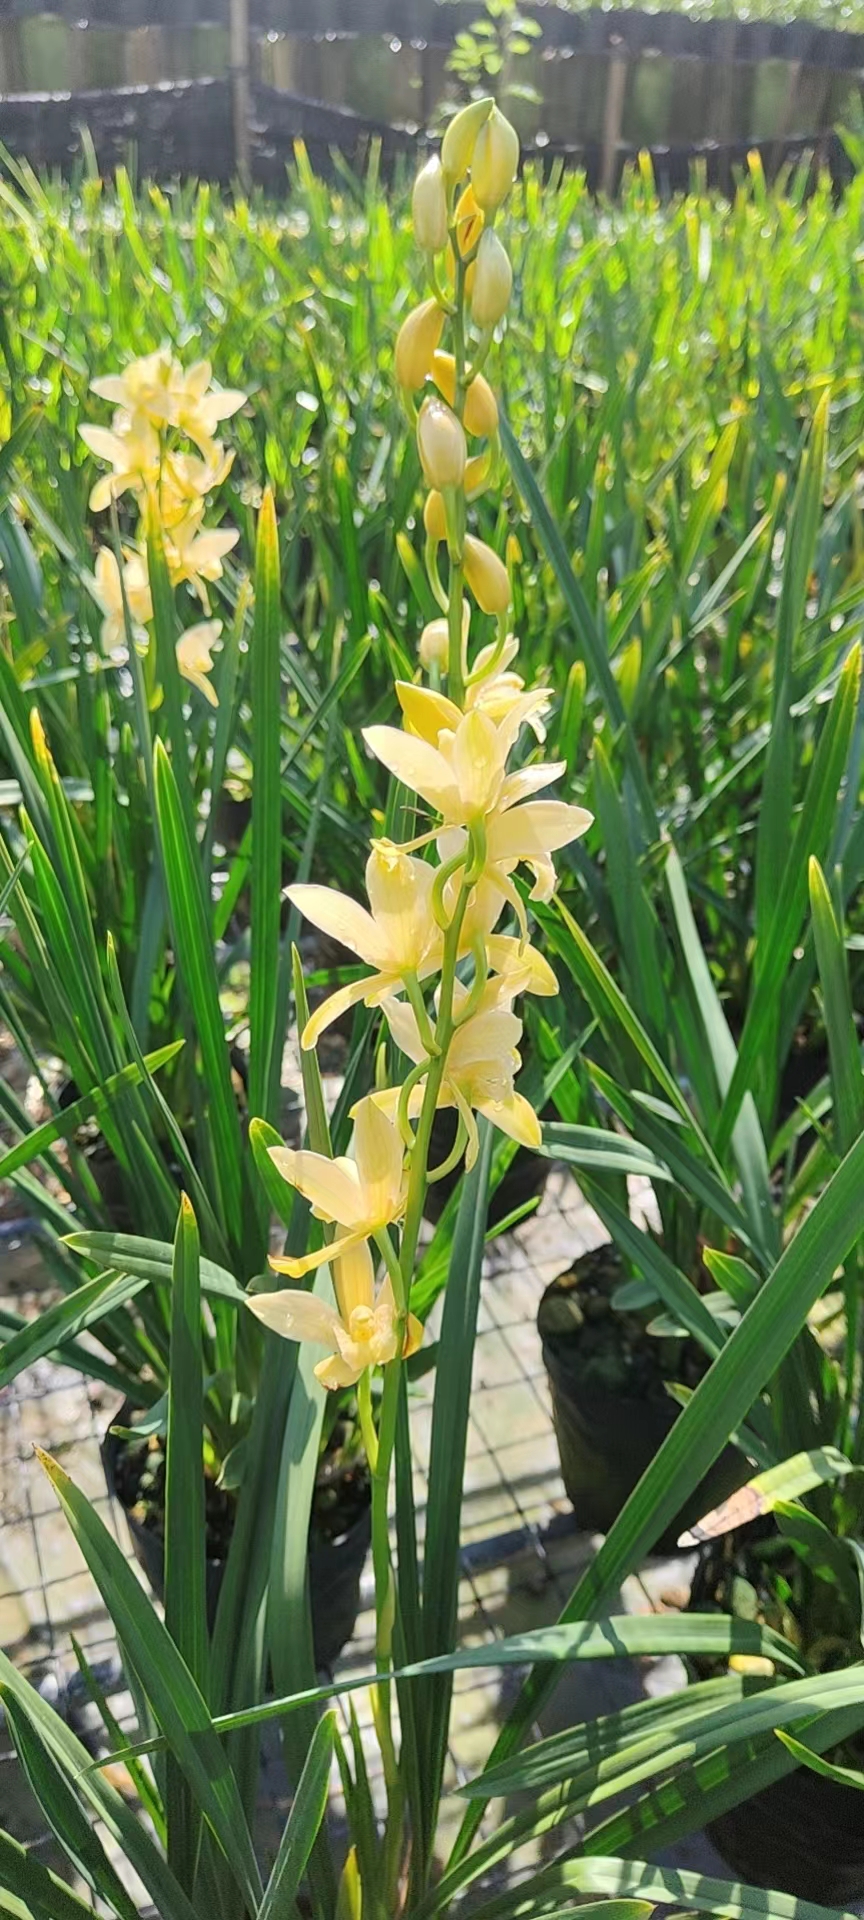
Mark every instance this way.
x=453 y=1157
x=366 y=1418
x=455 y=676
x=403 y=1118
x=456 y=595
x=424 y=1025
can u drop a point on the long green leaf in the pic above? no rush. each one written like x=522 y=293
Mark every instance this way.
x=185 y=1543
x=266 y=696
x=46 y=1895
x=151 y=1260
x=582 y=619
x=842 y=1776
x=847 y=1080
x=97 y=1102
x=63 y=1810
x=127 y=1830
x=611 y=1639
x=447 y=1464
x=307 y=1812
x=789 y=892
x=671 y=1887
x=197 y=973
x=177 y=1703
x=84 y=1308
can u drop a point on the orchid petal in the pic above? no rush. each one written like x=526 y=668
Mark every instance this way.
x=332 y=1187
x=426 y=712
x=528 y=780
x=539 y=827
x=296 y=1315
x=281 y=1263
x=354 y=1279
x=336 y=1372
x=341 y=1002
x=515 y=1116
x=420 y=767
x=380 y=1158
x=342 y=918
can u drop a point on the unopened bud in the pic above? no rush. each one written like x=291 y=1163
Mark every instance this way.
x=477 y=474
x=486 y=575
x=481 y=410
x=493 y=282
x=441 y=444
x=496 y=157
x=434 y=645
x=457 y=146
x=429 y=207
x=434 y=516
x=468 y=222
x=416 y=342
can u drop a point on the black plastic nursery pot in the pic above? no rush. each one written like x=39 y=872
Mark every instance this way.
x=803 y=1835
x=335 y=1565
x=610 y=1407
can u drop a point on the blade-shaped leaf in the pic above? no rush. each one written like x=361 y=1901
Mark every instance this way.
x=307 y=1812
x=162 y=1673
x=185 y=1546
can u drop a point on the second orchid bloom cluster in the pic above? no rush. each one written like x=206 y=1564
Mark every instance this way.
x=161 y=448
x=445 y=934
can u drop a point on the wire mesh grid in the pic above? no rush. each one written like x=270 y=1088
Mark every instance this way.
x=521 y=1553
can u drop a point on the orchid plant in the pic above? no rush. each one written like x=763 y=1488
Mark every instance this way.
x=443 y=973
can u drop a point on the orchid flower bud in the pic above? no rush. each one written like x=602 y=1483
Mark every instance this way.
x=416 y=342
x=468 y=222
x=434 y=644
x=486 y=575
x=429 y=207
x=441 y=445
x=457 y=146
x=496 y=157
x=481 y=410
x=492 y=283
x=434 y=516
x=477 y=474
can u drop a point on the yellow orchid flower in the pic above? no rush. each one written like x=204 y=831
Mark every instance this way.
x=464 y=779
x=398 y=936
x=145 y=389
x=482 y=1059
x=158 y=390
x=132 y=454
x=360 y=1195
x=110 y=595
x=464 y=776
x=196 y=554
x=519 y=835
x=359 y=1333
x=529 y=835
x=194 y=651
